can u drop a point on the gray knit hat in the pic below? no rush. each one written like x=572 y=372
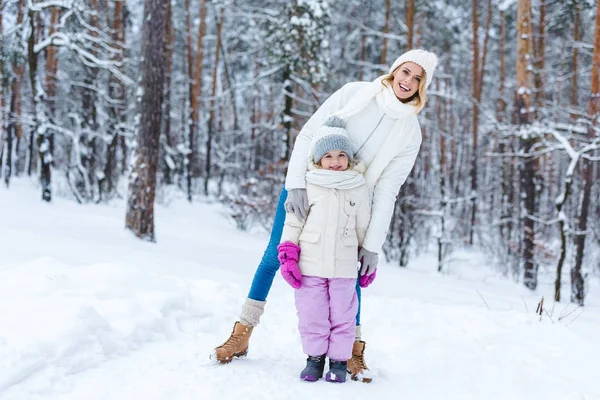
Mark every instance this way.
x=332 y=135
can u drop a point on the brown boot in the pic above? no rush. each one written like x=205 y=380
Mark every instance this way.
x=357 y=367
x=235 y=346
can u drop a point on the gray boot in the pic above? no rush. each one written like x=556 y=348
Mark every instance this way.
x=337 y=371
x=314 y=369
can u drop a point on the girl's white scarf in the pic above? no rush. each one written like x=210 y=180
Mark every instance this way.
x=343 y=180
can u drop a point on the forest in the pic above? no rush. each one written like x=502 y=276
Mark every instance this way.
x=144 y=100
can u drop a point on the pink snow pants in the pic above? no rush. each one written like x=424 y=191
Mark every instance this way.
x=327 y=316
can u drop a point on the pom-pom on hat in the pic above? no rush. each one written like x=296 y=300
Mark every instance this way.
x=332 y=135
x=427 y=60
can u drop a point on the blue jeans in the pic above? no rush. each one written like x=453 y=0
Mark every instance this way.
x=269 y=264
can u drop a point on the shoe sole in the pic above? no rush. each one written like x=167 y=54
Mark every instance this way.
x=242 y=354
x=363 y=380
x=334 y=380
x=309 y=378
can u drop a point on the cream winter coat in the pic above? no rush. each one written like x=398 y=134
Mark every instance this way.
x=336 y=225
x=386 y=136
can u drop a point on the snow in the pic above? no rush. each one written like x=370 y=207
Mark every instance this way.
x=506 y=4
x=90 y=312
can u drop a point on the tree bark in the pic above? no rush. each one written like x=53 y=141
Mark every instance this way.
x=577 y=280
x=576 y=39
x=2 y=91
x=168 y=136
x=288 y=89
x=540 y=55
x=211 y=117
x=475 y=122
x=142 y=185
x=386 y=30
x=410 y=23
x=195 y=70
x=478 y=73
x=527 y=141
x=50 y=83
x=363 y=47
x=43 y=138
x=14 y=129
x=117 y=94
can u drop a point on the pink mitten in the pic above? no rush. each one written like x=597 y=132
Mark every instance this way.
x=288 y=258
x=366 y=280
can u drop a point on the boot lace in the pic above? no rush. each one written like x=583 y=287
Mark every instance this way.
x=232 y=342
x=359 y=360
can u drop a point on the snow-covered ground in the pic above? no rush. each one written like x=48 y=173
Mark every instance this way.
x=87 y=312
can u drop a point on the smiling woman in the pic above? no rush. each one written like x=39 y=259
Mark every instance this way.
x=380 y=118
x=408 y=81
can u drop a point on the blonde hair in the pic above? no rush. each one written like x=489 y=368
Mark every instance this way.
x=419 y=98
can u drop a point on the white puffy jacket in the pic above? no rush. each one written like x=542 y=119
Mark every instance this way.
x=386 y=142
x=336 y=225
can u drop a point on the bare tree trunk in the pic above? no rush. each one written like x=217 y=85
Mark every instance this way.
x=577 y=280
x=527 y=142
x=540 y=55
x=288 y=89
x=576 y=39
x=142 y=185
x=32 y=63
x=90 y=112
x=386 y=30
x=50 y=80
x=440 y=105
x=560 y=202
x=211 y=117
x=117 y=94
x=3 y=84
x=43 y=138
x=168 y=135
x=195 y=70
x=410 y=23
x=15 y=128
x=475 y=121
x=363 y=45
x=478 y=73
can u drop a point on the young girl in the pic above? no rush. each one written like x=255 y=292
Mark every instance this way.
x=319 y=257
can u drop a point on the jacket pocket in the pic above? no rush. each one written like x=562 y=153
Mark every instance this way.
x=350 y=240
x=348 y=251
x=309 y=236
x=310 y=247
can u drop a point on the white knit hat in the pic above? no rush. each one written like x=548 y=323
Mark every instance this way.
x=332 y=135
x=427 y=60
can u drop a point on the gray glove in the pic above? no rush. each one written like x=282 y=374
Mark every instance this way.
x=368 y=261
x=297 y=203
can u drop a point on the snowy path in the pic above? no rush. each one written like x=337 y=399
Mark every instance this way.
x=89 y=312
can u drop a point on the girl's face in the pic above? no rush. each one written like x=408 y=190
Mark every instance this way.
x=407 y=78
x=335 y=160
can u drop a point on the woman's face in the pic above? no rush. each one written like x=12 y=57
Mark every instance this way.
x=334 y=160
x=407 y=78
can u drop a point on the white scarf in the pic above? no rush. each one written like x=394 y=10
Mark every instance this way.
x=385 y=97
x=343 y=180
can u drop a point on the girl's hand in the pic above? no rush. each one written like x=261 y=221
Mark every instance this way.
x=288 y=257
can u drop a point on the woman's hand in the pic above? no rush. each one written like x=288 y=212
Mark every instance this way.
x=297 y=203
x=368 y=266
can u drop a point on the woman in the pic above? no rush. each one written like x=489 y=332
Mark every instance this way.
x=381 y=120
